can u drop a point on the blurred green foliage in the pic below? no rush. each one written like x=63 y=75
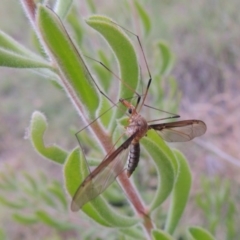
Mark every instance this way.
x=218 y=205
x=36 y=195
x=32 y=199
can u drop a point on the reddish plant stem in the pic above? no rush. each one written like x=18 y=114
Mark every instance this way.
x=30 y=8
x=125 y=182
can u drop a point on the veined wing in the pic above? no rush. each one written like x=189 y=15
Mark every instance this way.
x=181 y=131
x=101 y=177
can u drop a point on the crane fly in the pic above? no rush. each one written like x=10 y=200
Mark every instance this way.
x=113 y=164
x=106 y=172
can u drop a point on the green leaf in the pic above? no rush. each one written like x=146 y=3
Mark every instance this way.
x=132 y=233
x=56 y=190
x=43 y=178
x=197 y=233
x=164 y=168
x=53 y=222
x=8 y=180
x=180 y=193
x=20 y=204
x=37 y=128
x=11 y=59
x=105 y=113
x=11 y=45
x=124 y=52
x=75 y=171
x=167 y=58
x=23 y=219
x=75 y=76
x=62 y=7
x=32 y=187
x=91 y=5
x=46 y=198
x=144 y=17
x=158 y=234
x=73 y=20
x=156 y=138
x=104 y=75
x=114 y=194
x=32 y=182
x=13 y=54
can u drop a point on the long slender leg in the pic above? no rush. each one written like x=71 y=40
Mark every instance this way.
x=122 y=81
x=160 y=119
x=145 y=60
x=150 y=78
x=93 y=122
x=115 y=75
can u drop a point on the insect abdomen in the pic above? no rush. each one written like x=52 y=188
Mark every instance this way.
x=133 y=158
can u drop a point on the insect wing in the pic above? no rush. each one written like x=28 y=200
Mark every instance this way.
x=181 y=131
x=101 y=177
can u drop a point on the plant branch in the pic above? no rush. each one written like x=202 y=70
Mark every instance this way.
x=69 y=87
x=29 y=7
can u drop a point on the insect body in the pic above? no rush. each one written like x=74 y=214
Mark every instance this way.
x=102 y=176
x=137 y=124
x=113 y=164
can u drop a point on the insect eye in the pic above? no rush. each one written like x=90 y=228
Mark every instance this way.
x=130 y=111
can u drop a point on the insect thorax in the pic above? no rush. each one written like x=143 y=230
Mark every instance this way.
x=137 y=124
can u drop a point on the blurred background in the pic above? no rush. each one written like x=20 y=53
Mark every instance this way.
x=204 y=38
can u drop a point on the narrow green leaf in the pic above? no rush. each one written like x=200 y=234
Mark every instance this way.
x=105 y=113
x=37 y=128
x=12 y=204
x=124 y=52
x=53 y=222
x=10 y=44
x=180 y=193
x=56 y=190
x=73 y=20
x=91 y=5
x=43 y=178
x=133 y=233
x=74 y=73
x=62 y=7
x=164 y=168
x=197 y=233
x=75 y=171
x=23 y=219
x=104 y=75
x=156 y=138
x=201 y=203
x=13 y=54
x=167 y=58
x=143 y=16
x=158 y=234
x=47 y=198
x=32 y=182
x=10 y=59
x=114 y=194
x=8 y=179
x=38 y=45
